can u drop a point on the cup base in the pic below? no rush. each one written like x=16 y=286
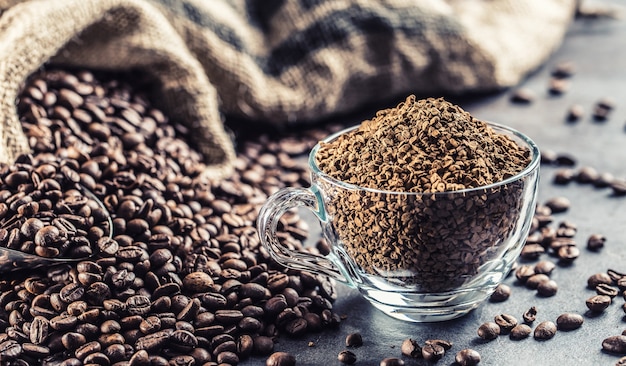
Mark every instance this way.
x=426 y=308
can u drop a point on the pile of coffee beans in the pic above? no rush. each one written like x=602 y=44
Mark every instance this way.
x=44 y=211
x=183 y=279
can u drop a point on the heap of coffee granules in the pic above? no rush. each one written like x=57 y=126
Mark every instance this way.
x=184 y=279
x=428 y=145
x=435 y=243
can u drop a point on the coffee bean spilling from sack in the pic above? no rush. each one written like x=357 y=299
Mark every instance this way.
x=183 y=279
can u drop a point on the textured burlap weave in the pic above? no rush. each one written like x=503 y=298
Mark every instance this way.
x=276 y=60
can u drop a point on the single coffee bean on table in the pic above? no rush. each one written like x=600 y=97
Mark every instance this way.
x=530 y=315
x=598 y=303
x=489 y=330
x=569 y=321
x=347 y=357
x=281 y=359
x=411 y=134
x=506 y=322
x=615 y=344
x=467 y=357
x=545 y=330
x=391 y=361
x=547 y=288
x=520 y=331
x=596 y=242
x=354 y=340
x=502 y=293
x=411 y=348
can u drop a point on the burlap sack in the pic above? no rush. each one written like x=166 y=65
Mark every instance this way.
x=277 y=61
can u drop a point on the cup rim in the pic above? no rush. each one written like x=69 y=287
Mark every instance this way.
x=531 y=167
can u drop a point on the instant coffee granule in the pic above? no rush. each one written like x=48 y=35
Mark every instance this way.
x=434 y=242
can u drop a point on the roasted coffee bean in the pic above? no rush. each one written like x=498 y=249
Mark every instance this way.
x=346 y=357
x=506 y=322
x=532 y=251
x=354 y=340
x=523 y=96
x=501 y=293
x=596 y=242
x=467 y=357
x=558 y=204
x=520 y=331
x=547 y=288
x=281 y=359
x=618 y=186
x=544 y=267
x=564 y=176
x=569 y=321
x=615 y=344
x=608 y=290
x=535 y=280
x=433 y=352
x=411 y=348
x=391 y=361
x=263 y=345
x=598 y=303
x=545 y=330
x=524 y=272
x=568 y=253
x=599 y=278
x=575 y=113
x=489 y=331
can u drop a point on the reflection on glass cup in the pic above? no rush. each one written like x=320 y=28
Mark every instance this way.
x=416 y=256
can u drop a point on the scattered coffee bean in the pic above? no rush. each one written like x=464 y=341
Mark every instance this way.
x=575 y=113
x=346 y=357
x=520 y=331
x=489 y=330
x=501 y=293
x=532 y=251
x=548 y=157
x=564 y=159
x=467 y=357
x=596 y=241
x=281 y=359
x=604 y=180
x=535 y=280
x=563 y=69
x=621 y=361
x=564 y=176
x=599 y=278
x=392 y=361
x=411 y=348
x=544 y=267
x=547 y=288
x=354 y=340
x=530 y=315
x=568 y=253
x=544 y=330
x=615 y=344
x=522 y=96
x=506 y=322
x=524 y=272
x=432 y=352
x=608 y=290
x=598 y=303
x=618 y=186
x=569 y=321
x=558 y=204
x=587 y=174
x=557 y=86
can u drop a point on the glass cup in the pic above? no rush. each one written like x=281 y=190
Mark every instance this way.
x=418 y=257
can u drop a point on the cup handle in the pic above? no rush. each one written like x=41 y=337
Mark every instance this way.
x=267 y=222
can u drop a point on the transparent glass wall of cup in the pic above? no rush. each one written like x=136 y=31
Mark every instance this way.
x=419 y=257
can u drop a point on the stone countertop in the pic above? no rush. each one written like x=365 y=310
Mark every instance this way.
x=597 y=48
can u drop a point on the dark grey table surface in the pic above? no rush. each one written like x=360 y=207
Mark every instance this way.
x=597 y=47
